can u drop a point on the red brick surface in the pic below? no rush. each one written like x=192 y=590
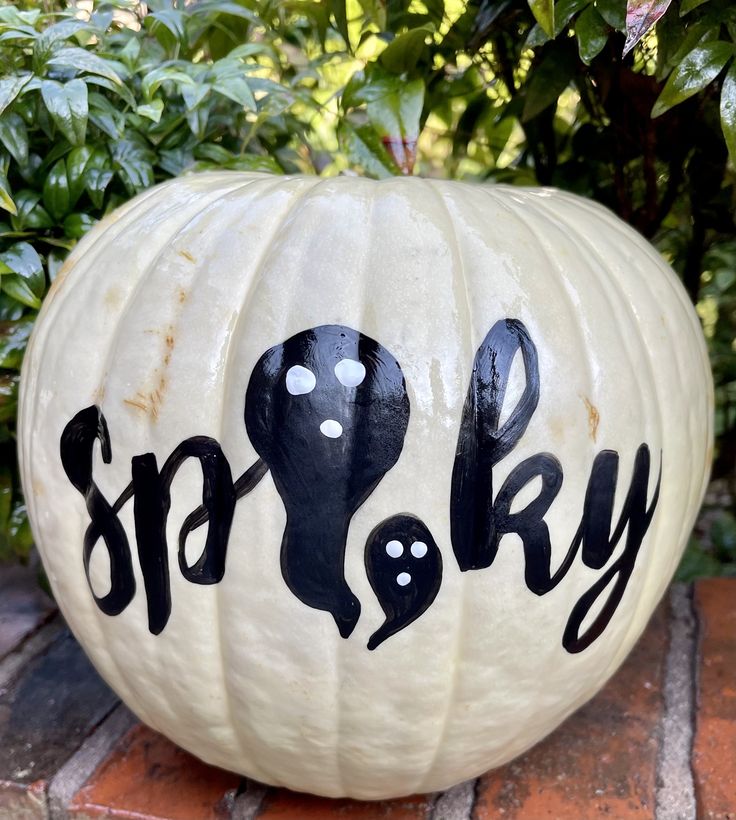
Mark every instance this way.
x=714 y=747
x=146 y=776
x=599 y=763
x=286 y=805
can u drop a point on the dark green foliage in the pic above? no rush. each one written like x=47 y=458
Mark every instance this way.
x=632 y=104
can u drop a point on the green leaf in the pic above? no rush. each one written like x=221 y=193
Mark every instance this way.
x=699 y=68
x=19 y=290
x=404 y=52
x=14 y=337
x=96 y=181
x=54 y=262
x=19 y=529
x=394 y=109
x=153 y=79
x=56 y=195
x=14 y=136
x=31 y=214
x=565 y=10
x=27 y=282
x=105 y=116
x=544 y=14
x=6 y=200
x=23 y=260
x=197 y=120
x=364 y=149
x=696 y=564
x=121 y=91
x=167 y=25
x=11 y=16
x=68 y=106
x=77 y=225
x=686 y=6
x=76 y=165
x=613 y=12
x=133 y=164
x=641 y=15
x=10 y=87
x=6 y=490
x=83 y=60
x=152 y=110
x=592 y=33
x=728 y=111
x=62 y=30
x=723 y=536
x=551 y=77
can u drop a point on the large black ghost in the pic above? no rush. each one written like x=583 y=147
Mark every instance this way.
x=327 y=411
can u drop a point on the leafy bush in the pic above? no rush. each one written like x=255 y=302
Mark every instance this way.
x=633 y=104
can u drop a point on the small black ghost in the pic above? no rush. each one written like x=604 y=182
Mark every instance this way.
x=404 y=567
x=327 y=411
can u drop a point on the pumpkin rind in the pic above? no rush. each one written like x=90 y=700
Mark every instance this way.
x=159 y=317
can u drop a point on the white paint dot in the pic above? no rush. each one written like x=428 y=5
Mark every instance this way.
x=349 y=372
x=331 y=428
x=395 y=549
x=419 y=549
x=403 y=578
x=299 y=380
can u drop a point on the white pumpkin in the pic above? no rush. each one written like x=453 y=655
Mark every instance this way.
x=374 y=328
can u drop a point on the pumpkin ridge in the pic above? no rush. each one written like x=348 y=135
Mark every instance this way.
x=559 y=280
x=616 y=291
x=257 y=273
x=462 y=609
x=106 y=360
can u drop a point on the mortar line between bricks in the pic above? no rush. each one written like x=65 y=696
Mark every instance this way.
x=695 y=693
x=456 y=803
x=72 y=776
x=249 y=802
x=675 y=799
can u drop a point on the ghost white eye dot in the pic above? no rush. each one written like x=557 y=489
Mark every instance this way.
x=300 y=380
x=349 y=372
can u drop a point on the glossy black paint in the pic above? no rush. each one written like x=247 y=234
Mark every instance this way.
x=77 y=447
x=402 y=604
x=482 y=444
x=479 y=522
x=323 y=481
x=152 y=502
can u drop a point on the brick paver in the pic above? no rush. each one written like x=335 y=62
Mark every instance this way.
x=146 y=776
x=286 y=805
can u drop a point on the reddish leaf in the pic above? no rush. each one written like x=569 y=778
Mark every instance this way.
x=641 y=15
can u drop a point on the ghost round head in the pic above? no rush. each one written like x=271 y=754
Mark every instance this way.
x=327 y=410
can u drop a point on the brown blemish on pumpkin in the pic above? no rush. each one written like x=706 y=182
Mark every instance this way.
x=187 y=255
x=183 y=295
x=594 y=417
x=170 y=342
x=37 y=487
x=137 y=404
x=557 y=429
x=113 y=298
